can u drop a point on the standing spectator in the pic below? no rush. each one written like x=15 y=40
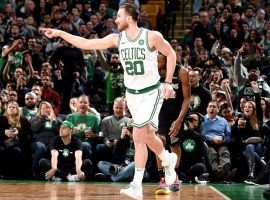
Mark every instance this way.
x=50 y=95
x=259 y=22
x=73 y=71
x=66 y=158
x=76 y=21
x=249 y=15
x=200 y=96
x=114 y=78
x=205 y=30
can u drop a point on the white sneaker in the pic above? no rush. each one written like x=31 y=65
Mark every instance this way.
x=56 y=179
x=170 y=174
x=133 y=191
x=73 y=178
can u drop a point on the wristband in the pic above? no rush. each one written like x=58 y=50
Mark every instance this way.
x=170 y=83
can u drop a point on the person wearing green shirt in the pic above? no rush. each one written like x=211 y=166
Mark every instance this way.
x=86 y=125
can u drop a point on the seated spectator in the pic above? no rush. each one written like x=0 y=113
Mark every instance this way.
x=266 y=126
x=111 y=127
x=226 y=112
x=44 y=126
x=86 y=125
x=15 y=137
x=247 y=126
x=217 y=134
x=124 y=148
x=66 y=158
x=30 y=109
x=73 y=103
x=4 y=100
x=193 y=159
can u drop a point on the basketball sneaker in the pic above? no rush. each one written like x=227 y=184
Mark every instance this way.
x=162 y=188
x=134 y=191
x=73 y=178
x=56 y=179
x=175 y=187
x=170 y=174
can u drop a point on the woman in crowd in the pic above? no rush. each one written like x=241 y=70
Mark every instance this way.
x=266 y=127
x=246 y=132
x=15 y=137
x=45 y=126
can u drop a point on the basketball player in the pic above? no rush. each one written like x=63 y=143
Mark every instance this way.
x=171 y=116
x=144 y=94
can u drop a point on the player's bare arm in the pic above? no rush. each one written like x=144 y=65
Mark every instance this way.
x=184 y=78
x=156 y=41
x=110 y=41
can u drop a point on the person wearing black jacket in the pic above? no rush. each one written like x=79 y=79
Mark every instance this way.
x=15 y=138
x=71 y=62
x=45 y=126
x=123 y=152
x=246 y=127
x=124 y=167
x=193 y=159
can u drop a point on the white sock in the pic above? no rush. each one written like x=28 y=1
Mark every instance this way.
x=138 y=176
x=163 y=155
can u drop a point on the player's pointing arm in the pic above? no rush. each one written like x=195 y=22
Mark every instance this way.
x=109 y=41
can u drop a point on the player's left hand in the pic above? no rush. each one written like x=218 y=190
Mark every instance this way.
x=168 y=91
x=174 y=129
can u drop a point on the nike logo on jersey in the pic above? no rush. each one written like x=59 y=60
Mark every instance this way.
x=123 y=42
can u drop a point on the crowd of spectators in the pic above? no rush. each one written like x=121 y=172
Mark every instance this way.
x=46 y=81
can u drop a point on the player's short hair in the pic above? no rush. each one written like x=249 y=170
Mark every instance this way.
x=131 y=10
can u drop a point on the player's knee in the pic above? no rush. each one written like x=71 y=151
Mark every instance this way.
x=138 y=135
x=151 y=131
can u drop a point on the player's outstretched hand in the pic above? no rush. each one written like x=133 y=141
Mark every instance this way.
x=51 y=33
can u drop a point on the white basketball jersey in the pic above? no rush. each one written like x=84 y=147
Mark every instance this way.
x=138 y=60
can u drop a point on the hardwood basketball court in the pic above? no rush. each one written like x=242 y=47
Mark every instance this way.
x=34 y=190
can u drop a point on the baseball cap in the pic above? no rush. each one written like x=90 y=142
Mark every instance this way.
x=68 y=124
x=226 y=50
x=31 y=94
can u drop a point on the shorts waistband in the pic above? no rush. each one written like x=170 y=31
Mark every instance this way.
x=141 y=91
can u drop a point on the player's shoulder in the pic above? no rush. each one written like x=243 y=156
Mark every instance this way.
x=154 y=34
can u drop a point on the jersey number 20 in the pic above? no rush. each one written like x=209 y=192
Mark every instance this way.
x=134 y=68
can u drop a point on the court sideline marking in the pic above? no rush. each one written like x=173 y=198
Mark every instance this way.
x=220 y=193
